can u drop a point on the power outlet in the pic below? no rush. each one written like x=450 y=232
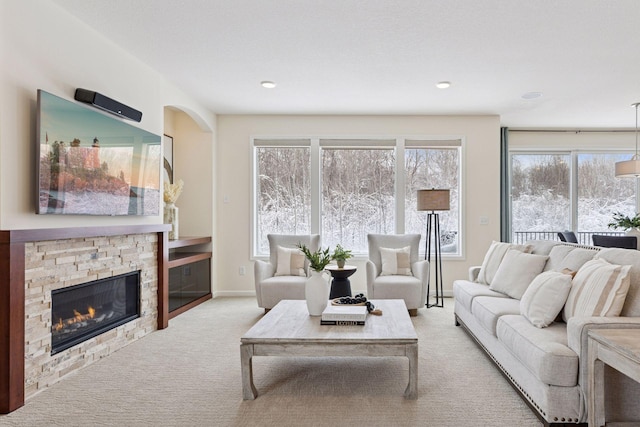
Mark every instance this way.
x=242 y=271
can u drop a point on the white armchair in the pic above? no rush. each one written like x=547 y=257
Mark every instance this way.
x=270 y=289
x=412 y=287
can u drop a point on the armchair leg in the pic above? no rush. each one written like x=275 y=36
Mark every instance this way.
x=413 y=312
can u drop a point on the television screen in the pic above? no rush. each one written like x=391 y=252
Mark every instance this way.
x=90 y=163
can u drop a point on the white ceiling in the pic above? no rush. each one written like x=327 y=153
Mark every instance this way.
x=385 y=56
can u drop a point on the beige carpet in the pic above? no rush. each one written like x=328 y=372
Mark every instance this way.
x=189 y=375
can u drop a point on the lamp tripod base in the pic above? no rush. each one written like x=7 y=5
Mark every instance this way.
x=433 y=227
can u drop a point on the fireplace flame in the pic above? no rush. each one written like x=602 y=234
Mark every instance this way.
x=77 y=318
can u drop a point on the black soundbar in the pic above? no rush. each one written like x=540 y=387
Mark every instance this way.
x=107 y=104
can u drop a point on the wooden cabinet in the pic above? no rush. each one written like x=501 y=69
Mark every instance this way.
x=189 y=269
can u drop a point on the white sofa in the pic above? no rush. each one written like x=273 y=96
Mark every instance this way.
x=547 y=365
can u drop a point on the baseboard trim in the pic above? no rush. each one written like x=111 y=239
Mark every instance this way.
x=234 y=294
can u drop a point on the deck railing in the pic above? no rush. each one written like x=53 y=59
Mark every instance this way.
x=584 y=237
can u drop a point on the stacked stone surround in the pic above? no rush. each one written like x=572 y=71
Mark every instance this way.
x=57 y=264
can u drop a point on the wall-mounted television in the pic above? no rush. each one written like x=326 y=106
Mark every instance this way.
x=90 y=163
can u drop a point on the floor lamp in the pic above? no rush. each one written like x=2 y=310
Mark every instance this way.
x=434 y=200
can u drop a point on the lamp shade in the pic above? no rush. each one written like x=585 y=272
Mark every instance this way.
x=433 y=200
x=628 y=168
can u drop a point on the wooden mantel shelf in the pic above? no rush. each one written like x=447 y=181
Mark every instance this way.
x=42 y=234
x=12 y=294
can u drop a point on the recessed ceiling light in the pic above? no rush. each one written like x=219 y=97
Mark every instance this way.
x=267 y=84
x=443 y=85
x=532 y=95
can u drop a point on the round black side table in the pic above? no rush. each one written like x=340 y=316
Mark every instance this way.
x=340 y=285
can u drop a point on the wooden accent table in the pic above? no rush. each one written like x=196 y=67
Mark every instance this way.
x=288 y=330
x=618 y=348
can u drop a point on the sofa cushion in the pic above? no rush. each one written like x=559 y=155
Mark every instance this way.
x=290 y=262
x=630 y=257
x=571 y=257
x=599 y=289
x=493 y=258
x=544 y=298
x=396 y=261
x=544 y=352
x=465 y=291
x=517 y=270
x=408 y=288
x=278 y=288
x=487 y=310
x=542 y=247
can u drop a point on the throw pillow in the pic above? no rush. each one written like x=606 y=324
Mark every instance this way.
x=599 y=289
x=516 y=271
x=493 y=258
x=544 y=298
x=568 y=271
x=396 y=261
x=290 y=262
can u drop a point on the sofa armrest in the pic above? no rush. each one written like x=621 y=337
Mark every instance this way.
x=420 y=270
x=474 y=271
x=578 y=334
x=578 y=328
x=261 y=270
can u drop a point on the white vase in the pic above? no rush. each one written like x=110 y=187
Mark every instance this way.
x=632 y=232
x=171 y=217
x=316 y=292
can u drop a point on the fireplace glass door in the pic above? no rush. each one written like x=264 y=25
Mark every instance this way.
x=84 y=311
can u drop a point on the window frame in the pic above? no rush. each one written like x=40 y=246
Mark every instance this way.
x=394 y=142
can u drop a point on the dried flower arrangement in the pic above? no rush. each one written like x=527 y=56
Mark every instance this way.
x=172 y=191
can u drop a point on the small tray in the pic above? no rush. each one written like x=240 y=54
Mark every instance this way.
x=336 y=301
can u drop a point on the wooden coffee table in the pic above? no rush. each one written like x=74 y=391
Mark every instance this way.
x=288 y=330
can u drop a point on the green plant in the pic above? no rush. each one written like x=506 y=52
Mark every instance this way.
x=318 y=260
x=341 y=254
x=625 y=222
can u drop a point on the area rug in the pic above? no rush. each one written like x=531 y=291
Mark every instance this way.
x=189 y=375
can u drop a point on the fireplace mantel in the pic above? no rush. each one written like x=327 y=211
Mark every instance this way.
x=12 y=295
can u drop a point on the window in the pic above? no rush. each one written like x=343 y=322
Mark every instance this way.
x=438 y=168
x=574 y=190
x=358 y=195
x=600 y=193
x=540 y=196
x=345 y=188
x=283 y=203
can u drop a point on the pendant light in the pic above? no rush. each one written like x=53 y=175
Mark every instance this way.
x=630 y=168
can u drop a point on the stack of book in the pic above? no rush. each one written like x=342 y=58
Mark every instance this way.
x=344 y=315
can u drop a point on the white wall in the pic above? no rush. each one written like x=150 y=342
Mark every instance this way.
x=193 y=157
x=481 y=181
x=43 y=47
x=571 y=140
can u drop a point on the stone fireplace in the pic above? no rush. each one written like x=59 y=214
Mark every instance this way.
x=127 y=263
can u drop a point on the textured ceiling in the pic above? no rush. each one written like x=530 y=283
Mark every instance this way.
x=385 y=56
